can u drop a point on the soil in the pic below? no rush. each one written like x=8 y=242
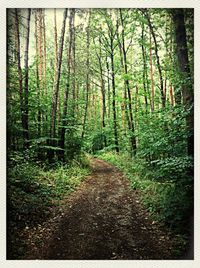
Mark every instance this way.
x=104 y=219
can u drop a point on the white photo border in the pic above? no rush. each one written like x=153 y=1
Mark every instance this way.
x=97 y=4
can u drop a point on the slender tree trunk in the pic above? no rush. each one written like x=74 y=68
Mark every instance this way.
x=41 y=50
x=158 y=60
x=73 y=64
x=113 y=100
x=56 y=88
x=110 y=49
x=108 y=85
x=171 y=95
x=56 y=61
x=67 y=89
x=124 y=94
x=55 y=45
x=87 y=77
x=37 y=82
x=45 y=53
x=152 y=78
x=103 y=91
x=20 y=78
x=127 y=84
x=183 y=62
x=125 y=107
x=144 y=71
x=26 y=87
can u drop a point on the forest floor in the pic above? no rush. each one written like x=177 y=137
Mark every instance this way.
x=103 y=219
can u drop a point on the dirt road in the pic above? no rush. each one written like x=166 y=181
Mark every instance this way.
x=102 y=220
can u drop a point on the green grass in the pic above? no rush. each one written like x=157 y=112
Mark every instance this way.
x=167 y=200
x=32 y=191
x=32 y=186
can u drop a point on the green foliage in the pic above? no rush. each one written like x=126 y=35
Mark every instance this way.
x=167 y=190
x=32 y=189
x=176 y=168
x=96 y=141
x=73 y=146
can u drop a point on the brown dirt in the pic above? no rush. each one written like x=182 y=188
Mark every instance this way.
x=102 y=220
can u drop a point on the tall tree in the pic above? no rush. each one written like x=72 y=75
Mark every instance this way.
x=127 y=84
x=37 y=75
x=157 y=57
x=152 y=77
x=87 y=75
x=98 y=51
x=73 y=11
x=26 y=76
x=110 y=45
x=23 y=91
x=184 y=68
x=56 y=87
x=67 y=89
x=55 y=45
x=145 y=78
x=108 y=84
x=45 y=52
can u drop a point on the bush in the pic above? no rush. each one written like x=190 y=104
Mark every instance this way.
x=31 y=189
x=173 y=168
x=166 y=186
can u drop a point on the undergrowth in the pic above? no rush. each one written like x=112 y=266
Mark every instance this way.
x=169 y=198
x=32 y=191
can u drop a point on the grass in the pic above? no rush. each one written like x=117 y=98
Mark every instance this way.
x=32 y=190
x=167 y=200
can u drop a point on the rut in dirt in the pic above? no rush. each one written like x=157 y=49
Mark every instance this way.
x=104 y=220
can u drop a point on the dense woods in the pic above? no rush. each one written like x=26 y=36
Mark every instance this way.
x=114 y=83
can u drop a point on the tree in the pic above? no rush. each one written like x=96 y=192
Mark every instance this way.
x=110 y=45
x=67 y=89
x=56 y=88
x=147 y=15
x=23 y=91
x=145 y=78
x=87 y=76
x=185 y=76
x=127 y=84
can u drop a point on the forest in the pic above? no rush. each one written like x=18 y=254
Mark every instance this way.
x=100 y=133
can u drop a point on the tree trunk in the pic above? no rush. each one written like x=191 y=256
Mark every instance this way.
x=87 y=78
x=113 y=100
x=45 y=53
x=20 y=79
x=144 y=70
x=103 y=91
x=110 y=50
x=55 y=45
x=56 y=88
x=158 y=60
x=40 y=47
x=152 y=78
x=177 y=92
x=56 y=61
x=26 y=91
x=73 y=64
x=127 y=84
x=108 y=84
x=64 y=116
x=183 y=63
x=171 y=95
x=37 y=82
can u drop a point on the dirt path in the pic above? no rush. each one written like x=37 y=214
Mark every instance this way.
x=102 y=219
